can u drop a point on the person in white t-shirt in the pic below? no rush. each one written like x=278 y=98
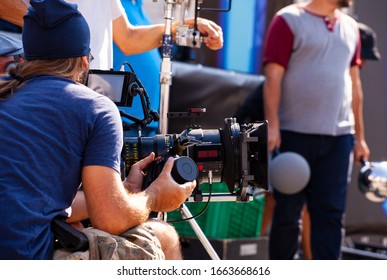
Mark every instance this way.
x=108 y=22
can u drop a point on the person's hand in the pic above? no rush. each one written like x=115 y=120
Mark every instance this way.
x=361 y=151
x=274 y=138
x=133 y=183
x=213 y=34
x=167 y=195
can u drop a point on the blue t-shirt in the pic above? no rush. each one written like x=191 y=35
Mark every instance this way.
x=50 y=128
x=146 y=65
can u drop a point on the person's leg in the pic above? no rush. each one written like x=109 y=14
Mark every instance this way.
x=305 y=234
x=137 y=243
x=326 y=201
x=268 y=210
x=169 y=239
x=283 y=243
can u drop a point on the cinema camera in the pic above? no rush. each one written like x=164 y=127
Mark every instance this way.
x=236 y=155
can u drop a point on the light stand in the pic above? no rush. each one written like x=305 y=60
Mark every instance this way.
x=186 y=214
x=166 y=72
x=184 y=37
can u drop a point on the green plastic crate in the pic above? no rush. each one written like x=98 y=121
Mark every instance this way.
x=223 y=220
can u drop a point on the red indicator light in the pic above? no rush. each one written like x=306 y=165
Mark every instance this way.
x=213 y=153
x=208 y=154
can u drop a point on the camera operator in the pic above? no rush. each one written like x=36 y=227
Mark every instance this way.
x=57 y=134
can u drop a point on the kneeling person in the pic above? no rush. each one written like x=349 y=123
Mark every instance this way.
x=57 y=134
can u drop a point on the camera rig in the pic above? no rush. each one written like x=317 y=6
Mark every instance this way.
x=236 y=154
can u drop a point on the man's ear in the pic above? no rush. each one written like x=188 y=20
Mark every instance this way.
x=85 y=62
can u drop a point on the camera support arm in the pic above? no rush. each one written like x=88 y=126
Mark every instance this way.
x=137 y=88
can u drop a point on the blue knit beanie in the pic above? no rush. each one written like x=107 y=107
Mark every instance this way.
x=54 y=29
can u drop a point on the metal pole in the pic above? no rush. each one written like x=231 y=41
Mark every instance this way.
x=199 y=233
x=166 y=71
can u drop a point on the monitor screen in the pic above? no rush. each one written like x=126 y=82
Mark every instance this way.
x=109 y=85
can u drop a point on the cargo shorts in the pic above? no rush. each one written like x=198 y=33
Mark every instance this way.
x=138 y=243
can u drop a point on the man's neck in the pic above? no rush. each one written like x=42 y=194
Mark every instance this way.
x=322 y=7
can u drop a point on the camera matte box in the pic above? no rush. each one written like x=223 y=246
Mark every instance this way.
x=227 y=249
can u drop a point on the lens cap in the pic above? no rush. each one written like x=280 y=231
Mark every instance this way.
x=184 y=170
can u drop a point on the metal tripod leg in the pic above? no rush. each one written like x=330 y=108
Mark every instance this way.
x=199 y=233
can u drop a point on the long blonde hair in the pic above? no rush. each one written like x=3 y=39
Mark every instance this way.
x=71 y=68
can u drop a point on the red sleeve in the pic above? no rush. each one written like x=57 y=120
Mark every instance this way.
x=356 y=60
x=279 y=42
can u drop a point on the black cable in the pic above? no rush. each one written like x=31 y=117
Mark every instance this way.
x=201 y=212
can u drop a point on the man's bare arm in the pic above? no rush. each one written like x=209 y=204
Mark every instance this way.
x=137 y=39
x=361 y=148
x=115 y=207
x=272 y=95
x=13 y=11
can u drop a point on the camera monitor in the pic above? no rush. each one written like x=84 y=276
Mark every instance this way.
x=113 y=84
